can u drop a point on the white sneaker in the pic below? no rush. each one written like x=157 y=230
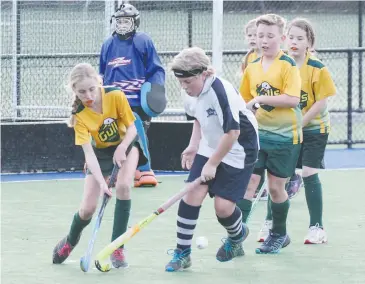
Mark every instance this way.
x=265 y=231
x=316 y=235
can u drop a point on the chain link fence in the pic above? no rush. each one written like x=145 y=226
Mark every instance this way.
x=42 y=40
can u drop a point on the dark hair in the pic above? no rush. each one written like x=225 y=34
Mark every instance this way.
x=306 y=26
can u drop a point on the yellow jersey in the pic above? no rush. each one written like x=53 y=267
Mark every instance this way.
x=107 y=128
x=276 y=124
x=317 y=84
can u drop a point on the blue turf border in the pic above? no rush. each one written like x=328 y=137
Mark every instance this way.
x=334 y=159
x=63 y=176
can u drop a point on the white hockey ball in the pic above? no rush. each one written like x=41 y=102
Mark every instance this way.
x=201 y=242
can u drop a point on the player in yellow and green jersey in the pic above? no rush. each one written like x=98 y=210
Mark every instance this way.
x=251 y=37
x=253 y=54
x=273 y=81
x=104 y=126
x=317 y=87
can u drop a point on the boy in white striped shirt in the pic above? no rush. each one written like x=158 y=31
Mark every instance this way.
x=222 y=152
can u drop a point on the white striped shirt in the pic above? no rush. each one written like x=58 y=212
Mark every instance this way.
x=219 y=108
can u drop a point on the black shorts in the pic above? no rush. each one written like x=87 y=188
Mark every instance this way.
x=229 y=183
x=312 y=151
x=105 y=158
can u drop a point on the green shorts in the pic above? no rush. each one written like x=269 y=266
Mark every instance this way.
x=312 y=152
x=105 y=158
x=280 y=160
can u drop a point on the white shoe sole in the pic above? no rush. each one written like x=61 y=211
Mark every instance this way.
x=308 y=242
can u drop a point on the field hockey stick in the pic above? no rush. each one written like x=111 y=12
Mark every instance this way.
x=257 y=199
x=255 y=107
x=85 y=260
x=103 y=266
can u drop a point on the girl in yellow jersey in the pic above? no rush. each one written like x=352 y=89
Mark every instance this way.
x=317 y=87
x=273 y=81
x=104 y=127
x=250 y=36
x=253 y=54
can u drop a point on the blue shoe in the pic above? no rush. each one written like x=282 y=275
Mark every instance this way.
x=180 y=260
x=245 y=231
x=273 y=243
x=292 y=187
x=231 y=249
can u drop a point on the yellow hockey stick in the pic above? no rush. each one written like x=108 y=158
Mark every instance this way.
x=103 y=266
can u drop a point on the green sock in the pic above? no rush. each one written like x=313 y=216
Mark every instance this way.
x=313 y=194
x=279 y=214
x=121 y=217
x=245 y=206
x=76 y=228
x=269 y=210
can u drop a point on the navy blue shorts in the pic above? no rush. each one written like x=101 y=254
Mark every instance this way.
x=229 y=183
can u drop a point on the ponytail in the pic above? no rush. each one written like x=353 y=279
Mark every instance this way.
x=245 y=60
x=75 y=106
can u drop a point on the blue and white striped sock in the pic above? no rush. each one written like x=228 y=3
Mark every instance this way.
x=233 y=225
x=186 y=223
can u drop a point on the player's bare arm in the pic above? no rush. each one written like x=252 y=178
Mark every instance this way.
x=283 y=100
x=188 y=155
x=315 y=109
x=224 y=146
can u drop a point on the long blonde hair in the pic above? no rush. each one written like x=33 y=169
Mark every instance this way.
x=77 y=74
x=245 y=60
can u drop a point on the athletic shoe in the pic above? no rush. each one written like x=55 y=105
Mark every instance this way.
x=62 y=250
x=118 y=258
x=315 y=235
x=265 y=231
x=273 y=244
x=264 y=195
x=181 y=260
x=231 y=249
x=292 y=187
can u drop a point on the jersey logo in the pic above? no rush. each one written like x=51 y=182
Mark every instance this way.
x=108 y=132
x=211 y=111
x=265 y=89
x=130 y=86
x=303 y=99
x=119 y=61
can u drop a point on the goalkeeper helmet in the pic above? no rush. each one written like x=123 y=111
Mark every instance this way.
x=127 y=20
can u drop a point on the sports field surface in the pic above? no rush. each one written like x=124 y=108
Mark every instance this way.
x=36 y=215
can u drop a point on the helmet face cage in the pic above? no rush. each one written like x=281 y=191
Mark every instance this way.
x=124 y=25
x=126 y=21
